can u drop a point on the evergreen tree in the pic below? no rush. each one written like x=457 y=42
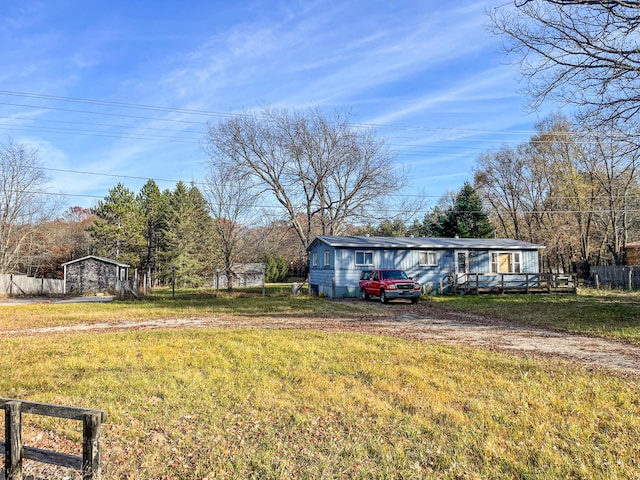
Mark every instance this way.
x=276 y=269
x=117 y=230
x=430 y=225
x=155 y=210
x=190 y=236
x=386 y=228
x=466 y=218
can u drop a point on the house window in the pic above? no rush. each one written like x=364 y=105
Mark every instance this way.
x=327 y=258
x=364 y=258
x=314 y=259
x=505 y=262
x=428 y=258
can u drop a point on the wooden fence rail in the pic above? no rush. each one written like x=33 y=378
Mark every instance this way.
x=14 y=451
x=515 y=283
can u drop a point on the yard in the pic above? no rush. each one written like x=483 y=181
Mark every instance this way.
x=282 y=387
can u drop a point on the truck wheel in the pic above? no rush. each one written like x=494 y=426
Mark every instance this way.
x=383 y=297
x=364 y=295
x=415 y=300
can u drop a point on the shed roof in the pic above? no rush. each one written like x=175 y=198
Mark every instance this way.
x=424 y=242
x=101 y=259
x=248 y=268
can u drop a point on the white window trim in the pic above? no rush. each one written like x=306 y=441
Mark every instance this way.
x=314 y=259
x=327 y=258
x=495 y=261
x=427 y=253
x=364 y=255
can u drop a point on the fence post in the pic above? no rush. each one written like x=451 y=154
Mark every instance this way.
x=13 y=439
x=90 y=446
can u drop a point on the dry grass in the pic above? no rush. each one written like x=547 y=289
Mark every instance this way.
x=186 y=304
x=610 y=314
x=196 y=404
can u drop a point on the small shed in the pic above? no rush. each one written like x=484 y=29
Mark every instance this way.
x=336 y=262
x=244 y=275
x=92 y=274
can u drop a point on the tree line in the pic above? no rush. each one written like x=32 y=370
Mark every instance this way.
x=573 y=186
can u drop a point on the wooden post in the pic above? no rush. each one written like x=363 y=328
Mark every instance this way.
x=13 y=439
x=526 y=282
x=90 y=446
x=630 y=278
x=597 y=281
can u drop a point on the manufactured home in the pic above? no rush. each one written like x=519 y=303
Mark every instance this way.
x=336 y=262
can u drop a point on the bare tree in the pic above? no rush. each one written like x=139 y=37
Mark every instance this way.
x=574 y=190
x=322 y=170
x=613 y=160
x=24 y=205
x=232 y=201
x=583 y=52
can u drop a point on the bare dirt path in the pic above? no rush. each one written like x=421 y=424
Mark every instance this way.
x=423 y=322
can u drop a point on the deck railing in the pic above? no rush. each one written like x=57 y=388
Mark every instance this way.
x=15 y=452
x=515 y=283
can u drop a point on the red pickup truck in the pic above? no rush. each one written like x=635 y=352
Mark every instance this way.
x=388 y=285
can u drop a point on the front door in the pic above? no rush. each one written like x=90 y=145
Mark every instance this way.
x=461 y=266
x=462 y=261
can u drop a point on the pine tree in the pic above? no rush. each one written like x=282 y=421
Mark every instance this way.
x=155 y=210
x=466 y=218
x=189 y=236
x=117 y=230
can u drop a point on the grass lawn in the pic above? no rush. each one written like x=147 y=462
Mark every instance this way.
x=206 y=403
x=187 y=303
x=602 y=313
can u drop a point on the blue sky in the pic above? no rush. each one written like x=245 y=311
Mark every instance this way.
x=426 y=72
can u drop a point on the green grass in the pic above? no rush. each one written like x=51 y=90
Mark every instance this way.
x=210 y=403
x=161 y=304
x=601 y=313
x=301 y=404
x=207 y=403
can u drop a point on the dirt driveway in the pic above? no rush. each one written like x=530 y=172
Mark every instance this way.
x=423 y=322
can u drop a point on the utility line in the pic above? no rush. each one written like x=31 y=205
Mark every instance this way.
x=231 y=115
x=397 y=210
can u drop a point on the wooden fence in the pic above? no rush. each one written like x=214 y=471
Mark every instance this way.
x=12 y=285
x=515 y=283
x=14 y=451
x=615 y=276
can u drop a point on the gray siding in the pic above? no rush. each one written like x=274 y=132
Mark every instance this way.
x=91 y=276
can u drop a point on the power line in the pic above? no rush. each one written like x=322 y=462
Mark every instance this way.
x=140 y=136
x=116 y=104
x=111 y=175
x=231 y=115
x=388 y=210
x=138 y=117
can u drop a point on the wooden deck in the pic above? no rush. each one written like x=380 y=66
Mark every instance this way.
x=477 y=283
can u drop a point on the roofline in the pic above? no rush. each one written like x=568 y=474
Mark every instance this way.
x=102 y=259
x=390 y=244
